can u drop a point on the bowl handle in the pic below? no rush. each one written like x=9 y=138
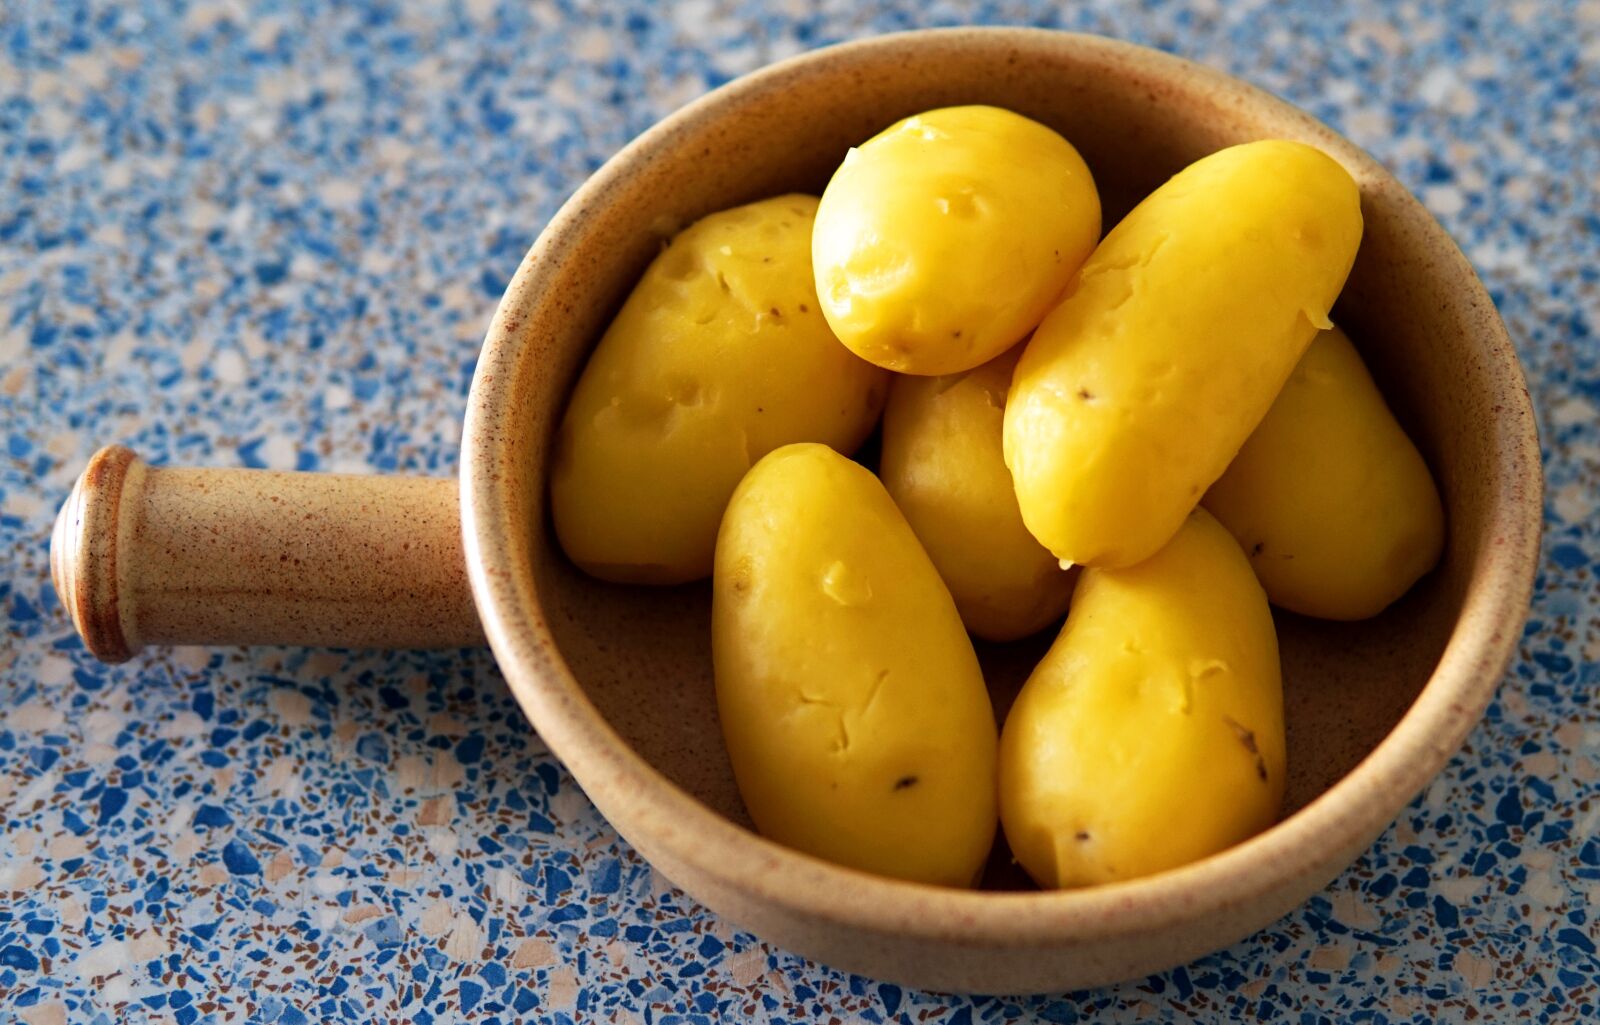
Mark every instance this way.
x=151 y=555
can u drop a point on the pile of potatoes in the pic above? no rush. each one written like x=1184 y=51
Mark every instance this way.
x=1169 y=408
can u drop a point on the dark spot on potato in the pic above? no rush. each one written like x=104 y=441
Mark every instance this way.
x=1085 y=394
x=776 y=313
x=1082 y=836
x=739 y=580
x=1261 y=768
x=722 y=282
x=1244 y=736
x=1058 y=255
x=955 y=334
x=761 y=409
x=804 y=308
x=905 y=782
x=766 y=259
x=1194 y=489
x=1255 y=549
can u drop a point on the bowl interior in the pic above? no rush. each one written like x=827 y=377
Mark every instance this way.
x=642 y=656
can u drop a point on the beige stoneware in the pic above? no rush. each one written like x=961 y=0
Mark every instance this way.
x=153 y=555
x=618 y=679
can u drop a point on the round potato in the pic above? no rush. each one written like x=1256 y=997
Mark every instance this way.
x=720 y=355
x=1137 y=390
x=1329 y=498
x=1151 y=734
x=943 y=465
x=850 y=697
x=944 y=239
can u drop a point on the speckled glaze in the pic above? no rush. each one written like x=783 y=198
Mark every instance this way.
x=178 y=555
x=617 y=681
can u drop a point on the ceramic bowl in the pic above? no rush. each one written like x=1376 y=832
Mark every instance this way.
x=618 y=679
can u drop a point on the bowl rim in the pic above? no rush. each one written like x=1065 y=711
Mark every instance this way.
x=1347 y=816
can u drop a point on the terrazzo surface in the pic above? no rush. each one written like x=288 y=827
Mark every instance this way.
x=268 y=234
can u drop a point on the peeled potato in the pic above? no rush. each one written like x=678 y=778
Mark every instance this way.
x=1151 y=735
x=1329 y=498
x=850 y=697
x=720 y=355
x=943 y=465
x=943 y=240
x=1138 y=389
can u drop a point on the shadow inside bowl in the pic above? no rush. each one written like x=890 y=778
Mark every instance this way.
x=644 y=656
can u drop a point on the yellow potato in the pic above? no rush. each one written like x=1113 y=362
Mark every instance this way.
x=1137 y=390
x=943 y=465
x=944 y=239
x=852 y=703
x=1329 y=498
x=1151 y=734
x=719 y=356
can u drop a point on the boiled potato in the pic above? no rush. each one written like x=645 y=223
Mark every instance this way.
x=1329 y=498
x=853 y=707
x=1151 y=735
x=943 y=465
x=720 y=355
x=944 y=239
x=1136 y=391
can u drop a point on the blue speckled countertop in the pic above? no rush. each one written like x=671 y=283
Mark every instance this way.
x=271 y=234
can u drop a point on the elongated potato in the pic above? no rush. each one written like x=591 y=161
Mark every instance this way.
x=1151 y=734
x=719 y=356
x=943 y=465
x=852 y=703
x=1137 y=390
x=942 y=240
x=1329 y=498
